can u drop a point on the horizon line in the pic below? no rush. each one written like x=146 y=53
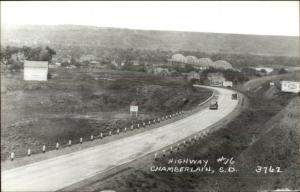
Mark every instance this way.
x=161 y=30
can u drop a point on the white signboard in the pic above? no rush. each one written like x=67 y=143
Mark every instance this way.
x=290 y=86
x=134 y=108
x=227 y=83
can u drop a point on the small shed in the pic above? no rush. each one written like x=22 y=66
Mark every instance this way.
x=35 y=70
x=193 y=75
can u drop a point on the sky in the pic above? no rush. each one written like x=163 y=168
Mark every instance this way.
x=252 y=17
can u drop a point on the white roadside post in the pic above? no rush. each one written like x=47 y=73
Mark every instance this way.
x=80 y=140
x=101 y=135
x=195 y=137
x=131 y=127
x=92 y=137
x=70 y=142
x=44 y=148
x=155 y=156
x=171 y=149
x=28 y=152
x=164 y=153
x=57 y=145
x=110 y=133
x=178 y=146
x=118 y=131
x=12 y=156
x=149 y=123
x=125 y=129
x=144 y=124
x=138 y=125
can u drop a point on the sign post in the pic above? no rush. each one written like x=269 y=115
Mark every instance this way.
x=134 y=109
x=12 y=156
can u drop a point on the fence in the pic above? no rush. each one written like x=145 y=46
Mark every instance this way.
x=58 y=145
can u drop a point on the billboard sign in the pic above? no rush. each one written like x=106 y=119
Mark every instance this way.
x=134 y=108
x=290 y=86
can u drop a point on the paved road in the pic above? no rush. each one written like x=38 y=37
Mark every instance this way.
x=62 y=171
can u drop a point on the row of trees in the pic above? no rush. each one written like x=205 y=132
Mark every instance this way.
x=28 y=53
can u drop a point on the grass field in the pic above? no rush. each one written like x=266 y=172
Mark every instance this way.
x=77 y=103
x=266 y=134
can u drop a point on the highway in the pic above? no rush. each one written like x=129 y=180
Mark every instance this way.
x=59 y=172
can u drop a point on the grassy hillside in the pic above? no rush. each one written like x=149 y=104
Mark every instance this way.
x=279 y=146
x=76 y=103
x=87 y=36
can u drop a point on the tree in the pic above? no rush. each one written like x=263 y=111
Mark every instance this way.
x=51 y=52
x=7 y=53
x=263 y=71
x=38 y=53
x=282 y=71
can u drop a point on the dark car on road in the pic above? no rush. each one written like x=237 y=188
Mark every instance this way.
x=213 y=104
x=234 y=96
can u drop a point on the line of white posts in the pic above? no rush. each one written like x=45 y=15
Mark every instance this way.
x=144 y=124
x=182 y=144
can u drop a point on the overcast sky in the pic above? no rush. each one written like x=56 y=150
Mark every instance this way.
x=266 y=18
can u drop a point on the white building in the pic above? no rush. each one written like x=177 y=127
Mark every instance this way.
x=216 y=79
x=35 y=70
x=267 y=69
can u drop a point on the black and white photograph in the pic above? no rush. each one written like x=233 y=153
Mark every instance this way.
x=150 y=96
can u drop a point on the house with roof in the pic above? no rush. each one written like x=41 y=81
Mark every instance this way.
x=193 y=75
x=216 y=79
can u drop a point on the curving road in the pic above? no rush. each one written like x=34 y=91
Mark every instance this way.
x=62 y=171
